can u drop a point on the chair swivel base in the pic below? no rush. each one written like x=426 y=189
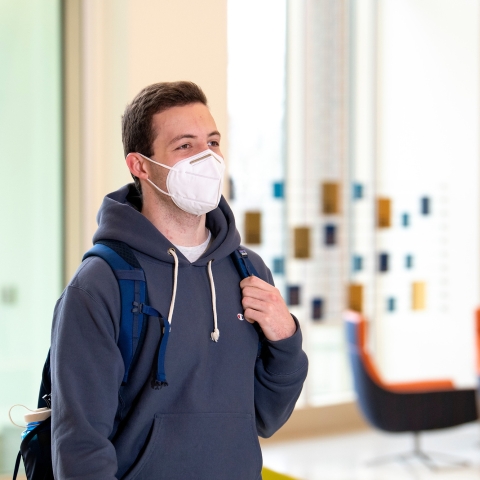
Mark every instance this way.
x=432 y=460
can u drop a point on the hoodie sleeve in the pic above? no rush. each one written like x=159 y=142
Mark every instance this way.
x=87 y=371
x=280 y=372
x=279 y=375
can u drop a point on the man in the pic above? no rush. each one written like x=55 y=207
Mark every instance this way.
x=219 y=393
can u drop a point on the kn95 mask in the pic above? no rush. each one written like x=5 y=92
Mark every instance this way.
x=194 y=183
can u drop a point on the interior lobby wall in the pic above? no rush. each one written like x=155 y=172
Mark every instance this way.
x=428 y=148
x=415 y=133
x=114 y=48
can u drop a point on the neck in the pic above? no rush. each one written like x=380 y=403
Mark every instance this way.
x=180 y=227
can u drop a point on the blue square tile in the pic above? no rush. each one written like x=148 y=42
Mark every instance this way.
x=330 y=235
x=357 y=191
x=278 y=266
x=408 y=261
x=383 y=262
x=391 y=304
x=293 y=295
x=357 y=263
x=278 y=190
x=317 y=309
x=425 y=206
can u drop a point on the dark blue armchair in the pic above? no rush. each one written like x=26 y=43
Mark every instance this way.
x=404 y=407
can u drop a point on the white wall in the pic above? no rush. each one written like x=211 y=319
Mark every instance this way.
x=425 y=143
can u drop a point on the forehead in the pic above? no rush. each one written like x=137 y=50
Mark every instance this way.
x=193 y=119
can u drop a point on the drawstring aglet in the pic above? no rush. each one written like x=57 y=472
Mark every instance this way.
x=157 y=384
x=215 y=335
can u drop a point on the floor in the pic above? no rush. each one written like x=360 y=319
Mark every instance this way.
x=347 y=457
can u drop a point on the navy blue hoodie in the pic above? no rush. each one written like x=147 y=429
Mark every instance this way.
x=205 y=424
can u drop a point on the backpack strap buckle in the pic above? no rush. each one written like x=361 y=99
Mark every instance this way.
x=145 y=309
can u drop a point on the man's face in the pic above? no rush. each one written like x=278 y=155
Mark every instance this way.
x=181 y=133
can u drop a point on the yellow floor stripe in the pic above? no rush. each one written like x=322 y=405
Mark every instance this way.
x=268 y=474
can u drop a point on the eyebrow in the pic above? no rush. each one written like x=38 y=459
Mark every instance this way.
x=189 y=135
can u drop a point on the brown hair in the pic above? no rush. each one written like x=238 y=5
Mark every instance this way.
x=138 y=134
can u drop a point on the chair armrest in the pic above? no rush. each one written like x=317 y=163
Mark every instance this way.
x=420 y=386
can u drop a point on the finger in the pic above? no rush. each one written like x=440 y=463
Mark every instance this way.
x=272 y=296
x=252 y=315
x=255 y=304
x=255 y=282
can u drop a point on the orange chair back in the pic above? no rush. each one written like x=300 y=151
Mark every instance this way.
x=371 y=369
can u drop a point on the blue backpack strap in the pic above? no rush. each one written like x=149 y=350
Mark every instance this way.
x=45 y=393
x=243 y=264
x=133 y=295
x=17 y=466
x=246 y=269
x=160 y=379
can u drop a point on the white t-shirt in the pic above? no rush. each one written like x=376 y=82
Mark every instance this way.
x=194 y=253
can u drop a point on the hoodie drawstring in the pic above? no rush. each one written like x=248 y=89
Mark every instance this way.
x=216 y=332
x=160 y=379
x=172 y=252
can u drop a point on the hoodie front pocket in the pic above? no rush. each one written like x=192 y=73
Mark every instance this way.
x=201 y=446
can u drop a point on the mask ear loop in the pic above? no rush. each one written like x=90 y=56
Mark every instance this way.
x=158 y=188
x=10 y=415
x=153 y=161
x=161 y=165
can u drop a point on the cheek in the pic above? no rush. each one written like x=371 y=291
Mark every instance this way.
x=218 y=151
x=158 y=175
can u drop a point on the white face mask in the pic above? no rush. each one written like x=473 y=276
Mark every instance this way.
x=194 y=183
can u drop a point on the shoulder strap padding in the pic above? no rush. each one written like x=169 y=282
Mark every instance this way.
x=133 y=294
x=123 y=250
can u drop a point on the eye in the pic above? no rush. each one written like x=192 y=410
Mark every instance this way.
x=214 y=143
x=183 y=147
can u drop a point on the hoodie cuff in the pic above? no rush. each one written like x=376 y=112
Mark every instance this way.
x=285 y=357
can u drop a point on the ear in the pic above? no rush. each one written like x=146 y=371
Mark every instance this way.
x=136 y=164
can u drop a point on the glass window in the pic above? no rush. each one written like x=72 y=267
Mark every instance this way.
x=30 y=217
x=276 y=80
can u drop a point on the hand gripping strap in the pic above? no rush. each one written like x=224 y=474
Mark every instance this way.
x=133 y=294
x=246 y=269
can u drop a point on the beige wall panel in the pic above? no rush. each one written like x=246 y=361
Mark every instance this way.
x=181 y=40
x=301 y=242
x=316 y=421
x=330 y=198
x=73 y=238
x=419 y=296
x=124 y=46
x=384 y=212
x=355 y=297
x=104 y=79
x=253 y=228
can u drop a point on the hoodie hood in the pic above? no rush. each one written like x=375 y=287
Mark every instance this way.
x=120 y=218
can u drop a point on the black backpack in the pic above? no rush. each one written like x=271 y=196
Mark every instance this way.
x=35 y=448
